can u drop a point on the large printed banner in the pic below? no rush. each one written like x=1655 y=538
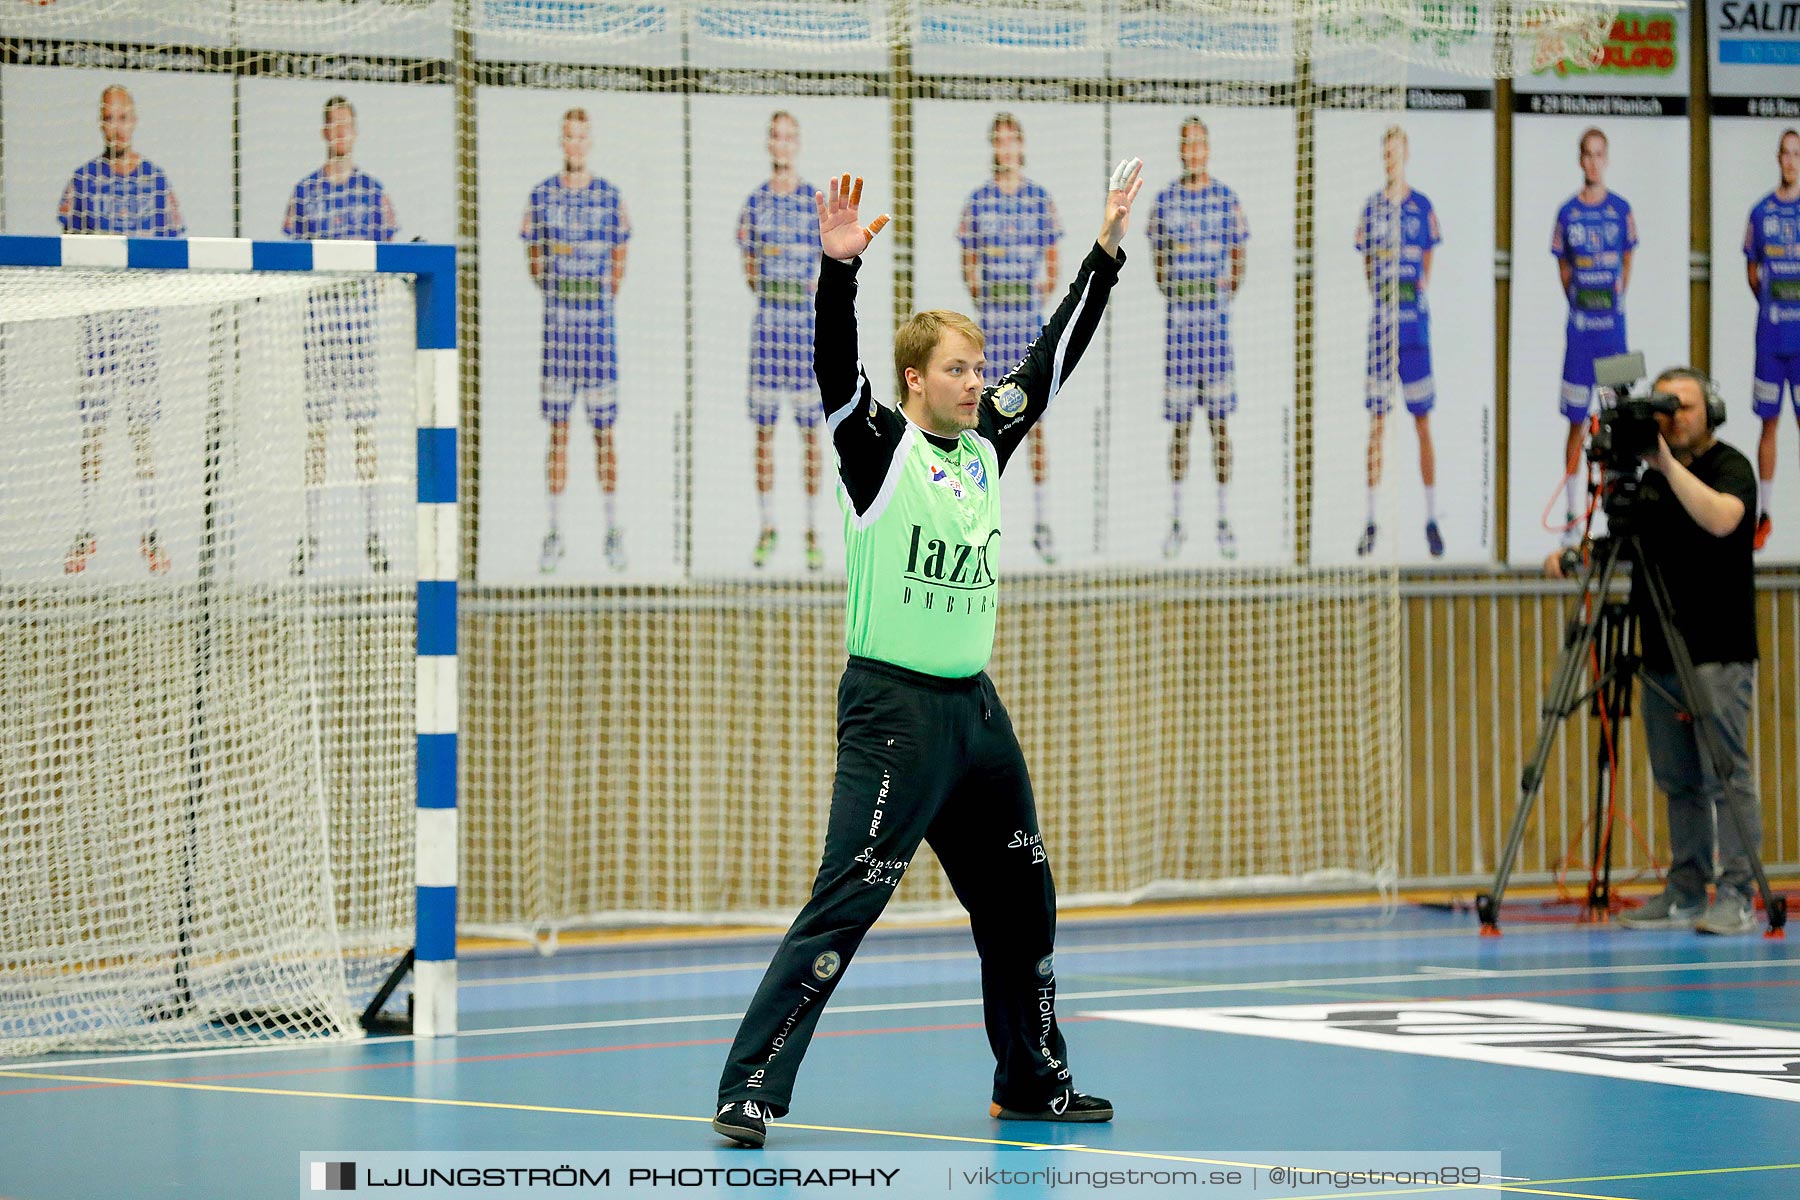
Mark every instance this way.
x=1755 y=237
x=765 y=478
x=174 y=128
x=1200 y=436
x=1404 y=331
x=971 y=38
x=1162 y=42
x=1600 y=241
x=999 y=234
x=415 y=28
x=583 y=351
x=232 y=143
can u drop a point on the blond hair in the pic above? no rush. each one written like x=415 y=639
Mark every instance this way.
x=920 y=334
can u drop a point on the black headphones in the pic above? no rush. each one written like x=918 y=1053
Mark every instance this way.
x=1715 y=402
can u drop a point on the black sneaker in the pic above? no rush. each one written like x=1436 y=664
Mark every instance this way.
x=1066 y=1105
x=743 y=1122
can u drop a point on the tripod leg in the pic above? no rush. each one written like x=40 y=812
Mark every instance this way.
x=1565 y=697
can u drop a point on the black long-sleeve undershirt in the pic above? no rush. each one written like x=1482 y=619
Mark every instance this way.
x=866 y=435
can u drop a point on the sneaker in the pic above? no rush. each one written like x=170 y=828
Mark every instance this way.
x=1172 y=543
x=1365 y=545
x=1434 y=541
x=742 y=1122
x=815 y=554
x=1729 y=913
x=1227 y=540
x=378 y=559
x=551 y=554
x=1040 y=541
x=765 y=546
x=153 y=553
x=305 y=551
x=80 y=550
x=1763 y=525
x=1066 y=1105
x=1665 y=911
x=615 y=548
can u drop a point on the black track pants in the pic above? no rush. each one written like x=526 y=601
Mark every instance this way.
x=919 y=758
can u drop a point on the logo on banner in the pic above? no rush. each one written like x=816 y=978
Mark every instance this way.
x=1636 y=45
x=1736 y=15
x=1438 y=28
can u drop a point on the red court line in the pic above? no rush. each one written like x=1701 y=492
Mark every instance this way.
x=67 y=1087
x=489 y=1058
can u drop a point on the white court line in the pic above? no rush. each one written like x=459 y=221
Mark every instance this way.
x=1063 y=952
x=34 y=1064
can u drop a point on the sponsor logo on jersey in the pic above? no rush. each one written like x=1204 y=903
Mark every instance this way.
x=1009 y=400
x=938 y=475
x=931 y=560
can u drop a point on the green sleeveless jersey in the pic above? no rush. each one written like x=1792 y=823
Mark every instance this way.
x=923 y=561
x=922 y=521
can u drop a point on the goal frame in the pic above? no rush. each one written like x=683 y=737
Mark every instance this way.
x=435 y=859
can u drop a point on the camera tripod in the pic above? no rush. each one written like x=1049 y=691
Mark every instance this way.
x=1606 y=628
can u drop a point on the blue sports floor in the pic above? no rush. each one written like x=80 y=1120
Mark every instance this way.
x=618 y=1047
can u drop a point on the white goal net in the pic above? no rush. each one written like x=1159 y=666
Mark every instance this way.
x=206 y=653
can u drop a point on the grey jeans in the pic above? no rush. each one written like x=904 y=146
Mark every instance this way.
x=1697 y=798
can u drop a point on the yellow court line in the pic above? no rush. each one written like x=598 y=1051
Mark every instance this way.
x=597 y=1112
x=1537 y=1188
x=180 y=1085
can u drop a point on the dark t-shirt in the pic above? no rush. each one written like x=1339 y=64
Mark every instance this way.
x=1711 y=580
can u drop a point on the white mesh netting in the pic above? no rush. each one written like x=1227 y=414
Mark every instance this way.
x=206 y=810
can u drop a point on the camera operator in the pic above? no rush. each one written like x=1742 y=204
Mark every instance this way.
x=1695 y=517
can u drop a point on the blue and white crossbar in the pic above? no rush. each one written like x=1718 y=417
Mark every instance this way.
x=434 y=269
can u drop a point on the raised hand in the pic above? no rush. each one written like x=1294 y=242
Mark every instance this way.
x=1127 y=180
x=841 y=233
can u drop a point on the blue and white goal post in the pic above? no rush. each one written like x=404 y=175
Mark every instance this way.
x=431 y=272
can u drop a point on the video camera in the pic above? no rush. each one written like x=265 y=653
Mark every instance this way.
x=1627 y=426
